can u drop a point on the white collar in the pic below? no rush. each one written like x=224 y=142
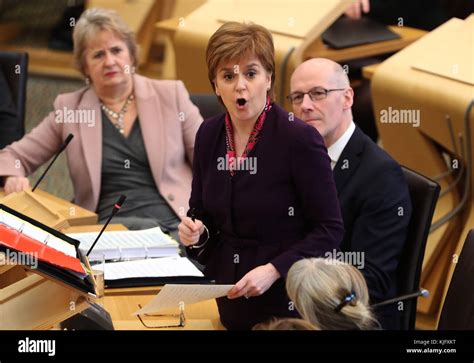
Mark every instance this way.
x=336 y=149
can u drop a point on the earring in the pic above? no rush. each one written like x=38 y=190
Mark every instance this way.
x=87 y=80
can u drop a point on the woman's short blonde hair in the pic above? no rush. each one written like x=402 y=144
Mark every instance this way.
x=317 y=286
x=285 y=324
x=233 y=41
x=94 y=20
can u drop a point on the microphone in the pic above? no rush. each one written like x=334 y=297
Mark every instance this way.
x=420 y=292
x=116 y=208
x=61 y=149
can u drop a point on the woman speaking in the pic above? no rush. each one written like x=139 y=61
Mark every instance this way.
x=263 y=194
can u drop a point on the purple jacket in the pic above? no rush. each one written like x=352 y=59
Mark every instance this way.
x=281 y=209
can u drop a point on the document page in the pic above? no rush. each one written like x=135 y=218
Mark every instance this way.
x=172 y=295
x=152 y=267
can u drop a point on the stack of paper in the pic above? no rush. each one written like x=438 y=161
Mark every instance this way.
x=154 y=267
x=129 y=245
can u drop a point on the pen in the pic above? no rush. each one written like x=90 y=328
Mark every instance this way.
x=193 y=214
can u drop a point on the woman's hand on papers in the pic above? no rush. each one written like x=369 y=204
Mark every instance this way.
x=255 y=282
x=189 y=231
x=16 y=184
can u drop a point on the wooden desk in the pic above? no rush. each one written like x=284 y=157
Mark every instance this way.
x=139 y=15
x=189 y=37
x=122 y=303
x=407 y=36
x=369 y=71
x=319 y=49
x=439 y=92
x=75 y=215
x=94 y=228
x=47 y=62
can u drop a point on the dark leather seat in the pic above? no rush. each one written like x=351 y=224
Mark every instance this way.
x=424 y=194
x=13 y=78
x=208 y=104
x=458 y=308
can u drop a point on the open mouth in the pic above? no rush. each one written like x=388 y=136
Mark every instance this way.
x=241 y=101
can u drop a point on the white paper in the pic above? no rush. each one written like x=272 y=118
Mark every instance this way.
x=172 y=295
x=153 y=267
x=118 y=245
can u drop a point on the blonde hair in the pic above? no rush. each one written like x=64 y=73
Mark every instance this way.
x=285 y=324
x=94 y=20
x=318 y=287
x=234 y=40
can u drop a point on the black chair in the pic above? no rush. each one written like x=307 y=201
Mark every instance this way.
x=14 y=68
x=424 y=194
x=458 y=307
x=208 y=104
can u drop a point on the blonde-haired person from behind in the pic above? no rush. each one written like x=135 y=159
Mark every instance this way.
x=285 y=324
x=330 y=294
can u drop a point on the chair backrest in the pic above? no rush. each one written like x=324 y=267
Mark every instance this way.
x=208 y=104
x=15 y=69
x=458 y=308
x=424 y=194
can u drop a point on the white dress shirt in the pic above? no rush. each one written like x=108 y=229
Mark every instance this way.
x=335 y=150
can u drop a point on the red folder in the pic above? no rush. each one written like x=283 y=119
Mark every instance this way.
x=16 y=240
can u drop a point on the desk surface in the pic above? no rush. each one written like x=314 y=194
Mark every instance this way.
x=320 y=50
x=74 y=214
x=190 y=41
x=407 y=36
x=122 y=303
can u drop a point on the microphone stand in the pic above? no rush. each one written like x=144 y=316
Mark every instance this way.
x=116 y=208
x=63 y=146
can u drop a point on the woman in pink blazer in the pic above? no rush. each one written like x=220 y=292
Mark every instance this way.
x=132 y=135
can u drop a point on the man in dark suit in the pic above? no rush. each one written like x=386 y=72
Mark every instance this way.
x=9 y=130
x=372 y=191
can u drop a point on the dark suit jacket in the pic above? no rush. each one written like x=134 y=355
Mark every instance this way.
x=372 y=189
x=9 y=130
x=286 y=211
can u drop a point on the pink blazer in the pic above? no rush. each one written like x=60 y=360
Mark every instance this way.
x=169 y=122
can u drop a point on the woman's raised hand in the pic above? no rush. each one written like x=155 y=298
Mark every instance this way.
x=189 y=231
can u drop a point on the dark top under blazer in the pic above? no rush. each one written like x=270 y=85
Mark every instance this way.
x=10 y=130
x=286 y=211
x=376 y=209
